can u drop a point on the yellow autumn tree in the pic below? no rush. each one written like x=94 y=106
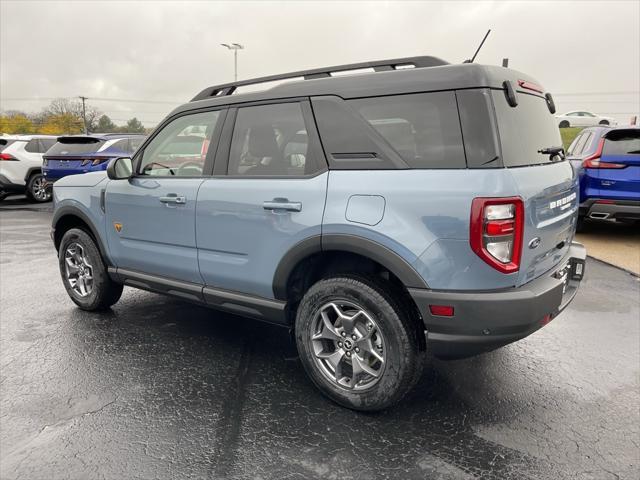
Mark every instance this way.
x=64 y=123
x=15 y=124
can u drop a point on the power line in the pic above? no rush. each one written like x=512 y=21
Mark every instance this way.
x=100 y=99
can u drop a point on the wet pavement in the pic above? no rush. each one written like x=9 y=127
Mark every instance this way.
x=159 y=388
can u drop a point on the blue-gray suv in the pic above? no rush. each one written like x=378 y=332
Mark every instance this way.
x=411 y=207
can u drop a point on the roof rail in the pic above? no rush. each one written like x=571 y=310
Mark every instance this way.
x=378 y=66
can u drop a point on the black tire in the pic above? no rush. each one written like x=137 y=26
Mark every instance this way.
x=403 y=360
x=564 y=124
x=36 y=191
x=604 y=122
x=104 y=292
x=3 y=195
x=580 y=227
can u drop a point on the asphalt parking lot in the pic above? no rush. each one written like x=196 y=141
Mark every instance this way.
x=158 y=388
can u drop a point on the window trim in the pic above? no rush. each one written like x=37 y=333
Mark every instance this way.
x=208 y=162
x=221 y=164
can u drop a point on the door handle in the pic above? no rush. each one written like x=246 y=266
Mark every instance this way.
x=174 y=199
x=282 y=204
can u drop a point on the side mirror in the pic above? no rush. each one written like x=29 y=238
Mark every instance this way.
x=120 y=168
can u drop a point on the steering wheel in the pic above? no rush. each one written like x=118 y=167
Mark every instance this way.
x=148 y=167
x=186 y=165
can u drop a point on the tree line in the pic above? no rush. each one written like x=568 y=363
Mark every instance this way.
x=63 y=116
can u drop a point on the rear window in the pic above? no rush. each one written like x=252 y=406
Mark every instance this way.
x=525 y=129
x=424 y=129
x=75 y=146
x=622 y=142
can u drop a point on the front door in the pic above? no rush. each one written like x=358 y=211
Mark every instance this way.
x=151 y=217
x=267 y=195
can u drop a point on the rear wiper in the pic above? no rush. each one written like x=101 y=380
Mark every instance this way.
x=553 y=152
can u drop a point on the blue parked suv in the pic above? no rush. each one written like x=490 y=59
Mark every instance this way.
x=607 y=161
x=75 y=154
x=418 y=207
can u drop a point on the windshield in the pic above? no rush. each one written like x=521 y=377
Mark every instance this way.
x=526 y=129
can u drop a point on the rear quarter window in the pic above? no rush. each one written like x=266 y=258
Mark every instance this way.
x=525 y=129
x=424 y=129
x=4 y=143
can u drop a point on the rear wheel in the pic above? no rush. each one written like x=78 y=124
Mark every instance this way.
x=357 y=343
x=580 y=224
x=84 y=273
x=604 y=122
x=37 y=188
x=564 y=124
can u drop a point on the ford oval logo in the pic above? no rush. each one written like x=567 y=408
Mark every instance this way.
x=534 y=243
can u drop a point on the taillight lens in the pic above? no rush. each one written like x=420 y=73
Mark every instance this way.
x=8 y=157
x=496 y=231
x=593 y=161
x=93 y=161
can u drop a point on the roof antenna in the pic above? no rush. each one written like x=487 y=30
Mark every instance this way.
x=479 y=47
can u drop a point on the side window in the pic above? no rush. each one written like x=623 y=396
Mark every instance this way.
x=32 y=146
x=572 y=148
x=181 y=147
x=270 y=140
x=424 y=129
x=581 y=144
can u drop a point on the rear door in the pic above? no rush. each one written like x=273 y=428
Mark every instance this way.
x=267 y=194
x=151 y=217
x=619 y=172
x=545 y=182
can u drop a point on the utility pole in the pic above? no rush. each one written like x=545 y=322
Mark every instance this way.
x=84 y=114
x=235 y=47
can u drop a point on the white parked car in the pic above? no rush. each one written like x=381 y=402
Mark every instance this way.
x=21 y=166
x=583 y=119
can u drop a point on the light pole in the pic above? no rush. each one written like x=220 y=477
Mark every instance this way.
x=235 y=47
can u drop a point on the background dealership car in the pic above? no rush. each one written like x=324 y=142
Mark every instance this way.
x=607 y=161
x=583 y=119
x=21 y=166
x=87 y=153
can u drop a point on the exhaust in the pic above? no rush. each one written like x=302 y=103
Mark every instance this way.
x=599 y=215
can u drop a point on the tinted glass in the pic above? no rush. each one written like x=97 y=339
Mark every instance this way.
x=585 y=141
x=181 y=147
x=46 y=144
x=622 y=142
x=5 y=143
x=121 y=145
x=424 y=129
x=32 y=146
x=573 y=147
x=525 y=129
x=134 y=143
x=76 y=146
x=269 y=140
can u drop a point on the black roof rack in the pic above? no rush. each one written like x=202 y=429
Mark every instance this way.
x=378 y=66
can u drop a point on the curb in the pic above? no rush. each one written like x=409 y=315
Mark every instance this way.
x=630 y=272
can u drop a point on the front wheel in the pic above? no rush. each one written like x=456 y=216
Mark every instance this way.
x=84 y=274
x=357 y=343
x=604 y=122
x=564 y=124
x=37 y=188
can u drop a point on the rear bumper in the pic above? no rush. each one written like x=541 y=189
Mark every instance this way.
x=484 y=321
x=8 y=186
x=620 y=210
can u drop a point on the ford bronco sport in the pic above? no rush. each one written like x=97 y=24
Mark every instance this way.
x=415 y=207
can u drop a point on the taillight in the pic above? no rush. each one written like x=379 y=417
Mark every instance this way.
x=593 y=161
x=93 y=161
x=496 y=231
x=8 y=157
x=530 y=86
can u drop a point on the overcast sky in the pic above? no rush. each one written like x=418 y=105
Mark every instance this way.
x=161 y=51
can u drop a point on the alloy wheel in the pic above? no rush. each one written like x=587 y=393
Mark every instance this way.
x=39 y=189
x=78 y=270
x=348 y=346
